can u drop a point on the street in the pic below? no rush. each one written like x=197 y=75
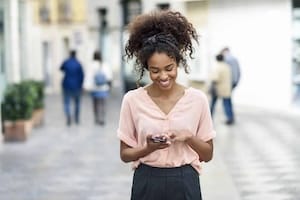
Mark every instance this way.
x=258 y=158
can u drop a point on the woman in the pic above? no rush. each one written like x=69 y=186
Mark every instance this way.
x=165 y=129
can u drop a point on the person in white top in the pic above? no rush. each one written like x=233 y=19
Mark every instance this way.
x=99 y=89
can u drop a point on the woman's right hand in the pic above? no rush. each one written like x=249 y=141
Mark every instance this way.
x=158 y=145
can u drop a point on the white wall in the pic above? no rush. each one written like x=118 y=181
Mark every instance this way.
x=259 y=34
x=112 y=45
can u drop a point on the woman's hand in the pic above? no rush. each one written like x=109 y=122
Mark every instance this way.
x=202 y=148
x=152 y=145
x=129 y=153
x=179 y=136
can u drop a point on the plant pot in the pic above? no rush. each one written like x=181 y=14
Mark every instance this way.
x=17 y=131
x=38 y=117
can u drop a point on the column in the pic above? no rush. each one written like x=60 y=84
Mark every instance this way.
x=12 y=41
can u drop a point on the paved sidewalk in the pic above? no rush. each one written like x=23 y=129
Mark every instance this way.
x=257 y=159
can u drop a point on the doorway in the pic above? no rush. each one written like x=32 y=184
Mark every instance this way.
x=66 y=47
x=47 y=69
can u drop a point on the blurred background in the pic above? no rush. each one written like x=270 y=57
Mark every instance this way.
x=36 y=37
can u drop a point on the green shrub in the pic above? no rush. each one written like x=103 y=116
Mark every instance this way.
x=19 y=101
x=38 y=86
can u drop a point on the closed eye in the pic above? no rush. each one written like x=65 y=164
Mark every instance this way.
x=154 y=70
x=169 y=68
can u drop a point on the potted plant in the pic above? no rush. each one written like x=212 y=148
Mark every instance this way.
x=38 y=107
x=17 y=108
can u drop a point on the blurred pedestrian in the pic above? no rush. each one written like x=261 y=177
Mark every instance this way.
x=234 y=66
x=221 y=87
x=235 y=75
x=72 y=86
x=165 y=129
x=98 y=83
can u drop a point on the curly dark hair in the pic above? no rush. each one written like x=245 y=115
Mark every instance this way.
x=160 y=31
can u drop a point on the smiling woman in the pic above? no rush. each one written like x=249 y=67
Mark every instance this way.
x=165 y=150
x=163 y=70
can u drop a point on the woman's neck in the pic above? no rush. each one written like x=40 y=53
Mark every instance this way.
x=154 y=91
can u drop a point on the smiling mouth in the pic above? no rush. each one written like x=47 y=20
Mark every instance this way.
x=164 y=83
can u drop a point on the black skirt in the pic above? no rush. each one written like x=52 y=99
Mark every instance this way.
x=153 y=183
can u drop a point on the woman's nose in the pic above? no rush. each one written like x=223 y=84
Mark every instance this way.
x=163 y=75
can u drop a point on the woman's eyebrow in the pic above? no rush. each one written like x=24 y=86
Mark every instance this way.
x=169 y=65
x=153 y=67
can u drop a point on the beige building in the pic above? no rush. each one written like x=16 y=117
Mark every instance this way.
x=59 y=26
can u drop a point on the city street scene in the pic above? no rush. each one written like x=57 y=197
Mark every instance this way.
x=60 y=116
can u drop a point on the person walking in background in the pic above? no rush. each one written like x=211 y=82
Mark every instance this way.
x=72 y=86
x=221 y=88
x=166 y=151
x=235 y=73
x=98 y=82
x=234 y=66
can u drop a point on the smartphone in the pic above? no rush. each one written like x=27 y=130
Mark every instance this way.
x=159 y=139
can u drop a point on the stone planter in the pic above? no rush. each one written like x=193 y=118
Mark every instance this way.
x=17 y=131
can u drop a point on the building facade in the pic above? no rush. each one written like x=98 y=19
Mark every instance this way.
x=59 y=26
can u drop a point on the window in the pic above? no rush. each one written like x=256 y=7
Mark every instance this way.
x=44 y=11
x=131 y=8
x=163 y=6
x=64 y=11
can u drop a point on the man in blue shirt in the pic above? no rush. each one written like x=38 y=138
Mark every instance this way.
x=72 y=86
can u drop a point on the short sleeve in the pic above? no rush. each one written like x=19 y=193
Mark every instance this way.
x=126 y=130
x=205 y=127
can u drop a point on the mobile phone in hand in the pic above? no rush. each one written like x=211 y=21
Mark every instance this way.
x=159 y=139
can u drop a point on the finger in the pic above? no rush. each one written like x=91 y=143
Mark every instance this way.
x=171 y=135
x=164 y=146
x=168 y=142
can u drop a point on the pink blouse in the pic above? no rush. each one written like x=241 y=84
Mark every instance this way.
x=140 y=116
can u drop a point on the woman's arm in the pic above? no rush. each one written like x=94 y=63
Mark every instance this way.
x=128 y=153
x=203 y=149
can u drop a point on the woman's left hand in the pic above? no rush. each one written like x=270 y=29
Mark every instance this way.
x=179 y=136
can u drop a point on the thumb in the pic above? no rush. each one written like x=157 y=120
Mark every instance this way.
x=171 y=135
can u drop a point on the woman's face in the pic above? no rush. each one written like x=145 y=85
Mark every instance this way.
x=162 y=70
